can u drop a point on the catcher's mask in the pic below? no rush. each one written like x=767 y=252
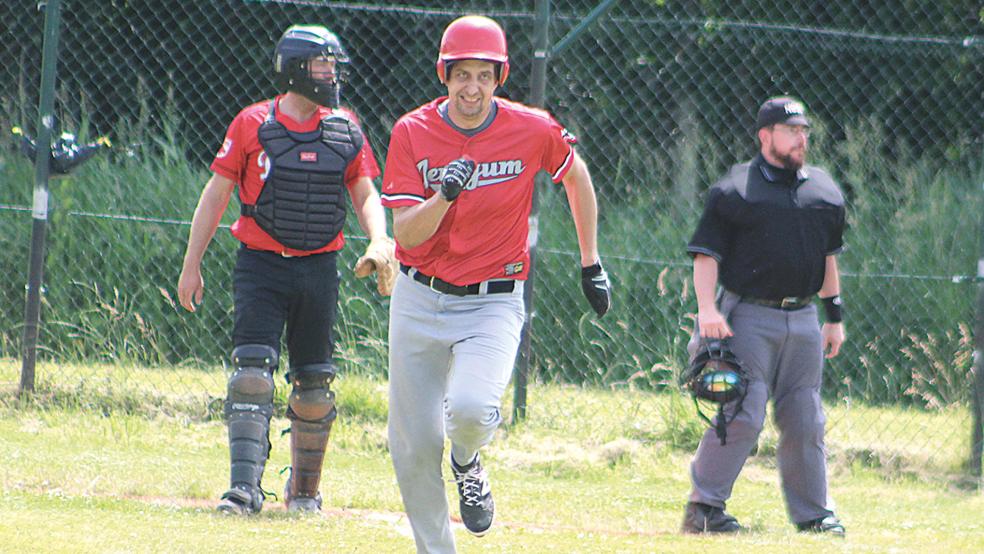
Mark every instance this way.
x=473 y=37
x=716 y=376
x=299 y=45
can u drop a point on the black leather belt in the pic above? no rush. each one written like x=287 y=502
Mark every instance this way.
x=788 y=303
x=442 y=286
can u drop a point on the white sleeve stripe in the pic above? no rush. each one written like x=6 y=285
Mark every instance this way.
x=398 y=197
x=567 y=162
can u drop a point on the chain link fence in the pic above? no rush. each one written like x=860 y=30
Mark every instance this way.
x=662 y=96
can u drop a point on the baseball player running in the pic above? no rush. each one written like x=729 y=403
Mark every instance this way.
x=459 y=179
x=294 y=158
x=770 y=233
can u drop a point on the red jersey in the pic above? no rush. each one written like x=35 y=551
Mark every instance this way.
x=243 y=160
x=484 y=234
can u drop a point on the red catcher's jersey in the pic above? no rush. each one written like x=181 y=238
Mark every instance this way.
x=484 y=233
x=243 y=160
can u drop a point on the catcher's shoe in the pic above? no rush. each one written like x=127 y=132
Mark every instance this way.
x=475 y=497
x=702 y=518
x=240 y=502
x=304 y=504
x=827 y=524
x=299 y=503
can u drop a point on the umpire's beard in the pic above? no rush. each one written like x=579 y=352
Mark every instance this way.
x=790 y=161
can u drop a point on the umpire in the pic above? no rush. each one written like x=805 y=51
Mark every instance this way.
x=769 y=234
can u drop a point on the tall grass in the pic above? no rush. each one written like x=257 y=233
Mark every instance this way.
x=118 y=228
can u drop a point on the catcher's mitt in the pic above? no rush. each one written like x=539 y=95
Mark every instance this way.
x=380 y=257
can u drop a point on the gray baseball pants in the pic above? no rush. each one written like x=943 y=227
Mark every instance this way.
x=782 y=352
x=450 y=360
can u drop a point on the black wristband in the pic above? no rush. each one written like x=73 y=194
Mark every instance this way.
x=832 y=309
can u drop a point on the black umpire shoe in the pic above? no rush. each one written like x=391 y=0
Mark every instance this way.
x=827 y=524
x=702 y=518
x=475 y=497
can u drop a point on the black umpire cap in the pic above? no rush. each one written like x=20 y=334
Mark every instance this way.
x=781 y=109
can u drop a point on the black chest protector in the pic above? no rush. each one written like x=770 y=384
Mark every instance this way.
x=302 y=203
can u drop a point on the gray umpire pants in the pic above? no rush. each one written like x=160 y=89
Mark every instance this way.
x=782 y=352
x=450 y=360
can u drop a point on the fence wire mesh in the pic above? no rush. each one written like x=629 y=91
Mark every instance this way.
x=662 y=96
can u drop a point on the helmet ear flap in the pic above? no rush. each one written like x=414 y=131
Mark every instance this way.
x=441 y=76
x=503 y=72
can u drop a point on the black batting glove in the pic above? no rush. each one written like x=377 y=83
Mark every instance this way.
x=597 y=289
x=456 y=176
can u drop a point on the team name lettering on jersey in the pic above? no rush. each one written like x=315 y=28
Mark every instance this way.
x=486 y=173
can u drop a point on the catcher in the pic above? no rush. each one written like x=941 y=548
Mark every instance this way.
x=293 y=158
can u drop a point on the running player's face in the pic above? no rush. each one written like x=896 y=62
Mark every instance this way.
x=470 y=88
x=787 y=145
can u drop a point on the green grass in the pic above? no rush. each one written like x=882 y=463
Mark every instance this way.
x=588 y=471
x=899 y=439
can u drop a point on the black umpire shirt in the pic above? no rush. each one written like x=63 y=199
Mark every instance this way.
x=771 y=229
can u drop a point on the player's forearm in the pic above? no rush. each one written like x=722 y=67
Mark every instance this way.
x=705 y=281
x=584 y=210
x=415 y=224
x=211 y=205
x=831 y=278
x=368 y=209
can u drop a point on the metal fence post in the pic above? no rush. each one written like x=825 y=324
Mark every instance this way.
x=538 y=87
x=977 y=420
x=44 y=130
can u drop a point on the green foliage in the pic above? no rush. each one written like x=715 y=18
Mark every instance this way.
x=912 y=225
x=112 y=262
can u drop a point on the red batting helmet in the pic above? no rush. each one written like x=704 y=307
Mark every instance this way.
x=473 y=37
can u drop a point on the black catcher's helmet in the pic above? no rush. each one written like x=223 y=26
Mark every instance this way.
x=291 y=63
x=716 y=375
